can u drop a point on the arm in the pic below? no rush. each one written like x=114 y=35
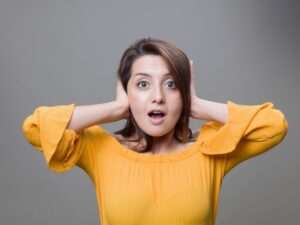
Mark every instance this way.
x=88 y=115
x=203 y=109
x=207 y=110
x=59 y=132
x=250 y=130
x=239 y=131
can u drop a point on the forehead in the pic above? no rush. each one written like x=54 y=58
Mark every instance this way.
x=150 y=64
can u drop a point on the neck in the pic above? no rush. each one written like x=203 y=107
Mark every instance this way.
x=163 y=144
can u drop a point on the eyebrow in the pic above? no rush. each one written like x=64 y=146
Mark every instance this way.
x=148 y=75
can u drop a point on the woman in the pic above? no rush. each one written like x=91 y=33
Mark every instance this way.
x=155 y=170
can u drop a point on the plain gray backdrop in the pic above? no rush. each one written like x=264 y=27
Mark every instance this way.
x=61 y=52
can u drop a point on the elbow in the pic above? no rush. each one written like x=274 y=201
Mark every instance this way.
x=285 y=126
x=268 y=123
x=31 y=131
x=280 y=124
x=27 y=125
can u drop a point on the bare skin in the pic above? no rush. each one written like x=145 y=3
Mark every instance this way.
x=160 y=95
x=156 y=93
x=176 y=148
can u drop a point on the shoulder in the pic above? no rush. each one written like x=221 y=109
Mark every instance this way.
x=95 y=132
x=119 y=137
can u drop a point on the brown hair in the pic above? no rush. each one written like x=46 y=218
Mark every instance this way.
x=178 y=65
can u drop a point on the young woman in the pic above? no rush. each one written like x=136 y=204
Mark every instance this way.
x=155 y=170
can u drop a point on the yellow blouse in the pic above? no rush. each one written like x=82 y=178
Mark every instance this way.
x=142 y=189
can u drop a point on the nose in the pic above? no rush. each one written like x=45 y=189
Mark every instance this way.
x=158 y=96
x=158 y=99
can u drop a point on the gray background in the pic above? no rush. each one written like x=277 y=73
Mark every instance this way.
x=61 y=52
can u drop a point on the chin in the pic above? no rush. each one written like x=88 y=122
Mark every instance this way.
x=156 y=133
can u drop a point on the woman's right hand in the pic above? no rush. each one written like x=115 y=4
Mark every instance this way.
x=122 y=100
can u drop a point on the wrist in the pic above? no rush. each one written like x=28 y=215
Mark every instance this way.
x=121 y=110
x=209 y=110
x=198 y=109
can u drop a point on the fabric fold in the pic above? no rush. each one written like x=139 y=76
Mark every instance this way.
x=46 y=130
x=223 y=138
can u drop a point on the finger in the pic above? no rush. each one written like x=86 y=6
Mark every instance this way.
x=193 y=91
x=192 y=66
x=118 y=80
x=119 y=83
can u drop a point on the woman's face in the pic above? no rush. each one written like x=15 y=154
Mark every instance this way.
x=154 y=98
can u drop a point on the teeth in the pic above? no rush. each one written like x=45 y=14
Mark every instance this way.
x=156 y=113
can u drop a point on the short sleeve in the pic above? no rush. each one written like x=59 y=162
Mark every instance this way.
x=249 y=131
x=62 y=148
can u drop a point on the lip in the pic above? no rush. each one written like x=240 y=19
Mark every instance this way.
x=159 y=120
x=157 y=110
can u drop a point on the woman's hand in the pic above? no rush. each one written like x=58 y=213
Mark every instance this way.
x=194 y=97
x=122 y=100
x=204 y=109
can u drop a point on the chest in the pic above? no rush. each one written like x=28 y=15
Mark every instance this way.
x=161 y=194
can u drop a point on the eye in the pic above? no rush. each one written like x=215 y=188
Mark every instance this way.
x=171 y=84
x=142 y=84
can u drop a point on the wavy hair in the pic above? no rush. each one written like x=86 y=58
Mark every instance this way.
x=178 y=65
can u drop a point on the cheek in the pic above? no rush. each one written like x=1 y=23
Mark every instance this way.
x=176 y=104
x=136 y=101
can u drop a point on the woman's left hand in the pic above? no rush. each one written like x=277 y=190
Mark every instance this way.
x=194 y=97
x=204 y=109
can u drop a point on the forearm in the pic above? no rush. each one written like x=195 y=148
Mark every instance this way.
x=209 y=110
x=88 y=115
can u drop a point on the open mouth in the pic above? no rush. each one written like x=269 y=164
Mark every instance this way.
x=156 y=117
x=156 y=114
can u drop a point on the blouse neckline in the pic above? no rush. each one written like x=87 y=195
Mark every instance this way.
x=166 y=157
